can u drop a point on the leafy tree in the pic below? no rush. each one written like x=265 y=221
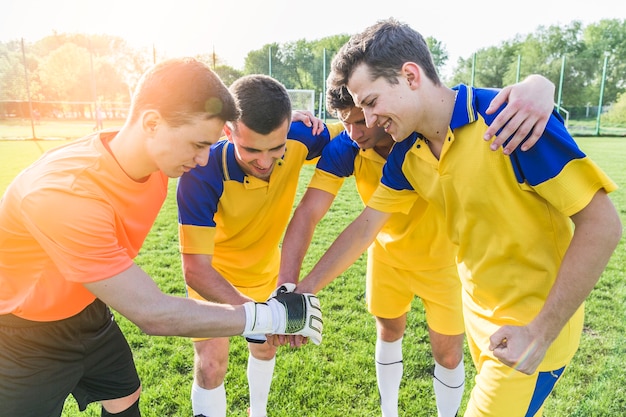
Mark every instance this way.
x=617 y=112
x=295 y=61
x=65 y=73
x=438 y=51
x=12 y=74
x=228 y=74
x=258 y=62
x=607 y=38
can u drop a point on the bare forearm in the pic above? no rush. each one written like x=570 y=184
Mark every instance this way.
x=210 y=284
x=311 y=209
x=179 y=316
x=345 y=250
x=295 y=245
x=135 y=296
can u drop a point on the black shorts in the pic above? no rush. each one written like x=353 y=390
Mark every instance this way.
x=41 y=363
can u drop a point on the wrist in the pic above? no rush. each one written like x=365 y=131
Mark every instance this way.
x=258 y=319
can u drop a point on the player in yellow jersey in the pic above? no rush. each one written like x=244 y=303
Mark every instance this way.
x=411 y=255
x=525 y=270
x=233 y=213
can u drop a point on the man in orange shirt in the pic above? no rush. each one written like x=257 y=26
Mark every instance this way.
x=70 y=226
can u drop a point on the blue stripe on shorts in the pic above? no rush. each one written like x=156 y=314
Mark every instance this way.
x=545 y=384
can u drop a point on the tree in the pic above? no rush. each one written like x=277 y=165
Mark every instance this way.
x=65 y=72
x=608 y=38
x=228 y=74
x=12 y=74
x=258 y=62
x=438 y=51
x=617 y=112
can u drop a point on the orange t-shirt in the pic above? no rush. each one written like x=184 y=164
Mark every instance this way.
x=74 y=216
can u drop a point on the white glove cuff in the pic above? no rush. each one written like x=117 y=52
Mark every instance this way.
x=258 y=319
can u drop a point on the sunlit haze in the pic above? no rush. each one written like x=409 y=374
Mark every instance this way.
x=233 y=28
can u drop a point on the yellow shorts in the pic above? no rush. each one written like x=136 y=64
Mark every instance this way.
x=390 y=291
x=259 y=293
x=502 y=391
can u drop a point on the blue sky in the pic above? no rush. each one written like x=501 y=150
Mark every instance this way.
x=235 y=27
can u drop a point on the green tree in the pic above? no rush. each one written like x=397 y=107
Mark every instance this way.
x=12 y=74
x=607 y=38
x=228 y=74
x=617 y=112
x=258 y=62
x=66 y=75
x=438 y=51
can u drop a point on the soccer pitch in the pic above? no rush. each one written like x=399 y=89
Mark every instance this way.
x=338 y=377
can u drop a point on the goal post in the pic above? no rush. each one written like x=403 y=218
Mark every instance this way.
x=302 y=100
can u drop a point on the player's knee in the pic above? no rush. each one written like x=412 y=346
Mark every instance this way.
x=123 y=407
x=390 y=330
x=209 y=374
x=262 y=352
x=449 y=359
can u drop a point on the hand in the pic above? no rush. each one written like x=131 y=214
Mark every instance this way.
x=530 y=104
x=517 y=347
x=306 y=117
x=293 y=340
x=298 y=314
x=283 y=288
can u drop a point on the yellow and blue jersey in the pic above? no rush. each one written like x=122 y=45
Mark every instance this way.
x=237 y=218
x=509 y=216
x=415 y=240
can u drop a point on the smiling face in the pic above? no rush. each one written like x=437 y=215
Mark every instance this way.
x=256 y=153
x=384 y=104
x=176 y=150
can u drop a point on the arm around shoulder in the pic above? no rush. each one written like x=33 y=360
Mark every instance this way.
x=529 y=105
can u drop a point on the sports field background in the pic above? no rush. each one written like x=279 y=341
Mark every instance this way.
x=338 y=377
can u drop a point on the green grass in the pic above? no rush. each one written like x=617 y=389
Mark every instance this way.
x=338 y=377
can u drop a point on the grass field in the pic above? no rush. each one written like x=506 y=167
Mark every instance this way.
x=338 y=378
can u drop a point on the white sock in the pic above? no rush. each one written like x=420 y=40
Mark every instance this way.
x=259 y=380
x=389 y=369
x=449 y=385
x=208 y=402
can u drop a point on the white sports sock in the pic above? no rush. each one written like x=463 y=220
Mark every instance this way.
x=389 y=369
x=209 y=402
x=259 y=380
x=449 y=385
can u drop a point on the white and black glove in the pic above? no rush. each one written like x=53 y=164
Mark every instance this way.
x=286 y=313
x=287 y=287
x=284 y=288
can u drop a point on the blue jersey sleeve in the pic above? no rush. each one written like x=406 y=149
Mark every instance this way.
x=199 y=190
x=314 y=143
x=338 y=156
x=547 y=158
x=393 y=174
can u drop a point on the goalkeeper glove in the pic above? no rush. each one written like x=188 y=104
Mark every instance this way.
x=287 y=287
x=287 y=313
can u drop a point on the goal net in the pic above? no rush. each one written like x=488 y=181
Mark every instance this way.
x=302 y=100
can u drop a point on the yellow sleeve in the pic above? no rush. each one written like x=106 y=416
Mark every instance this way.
x=388 y=200
x=196 y=239
x=335 y=129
